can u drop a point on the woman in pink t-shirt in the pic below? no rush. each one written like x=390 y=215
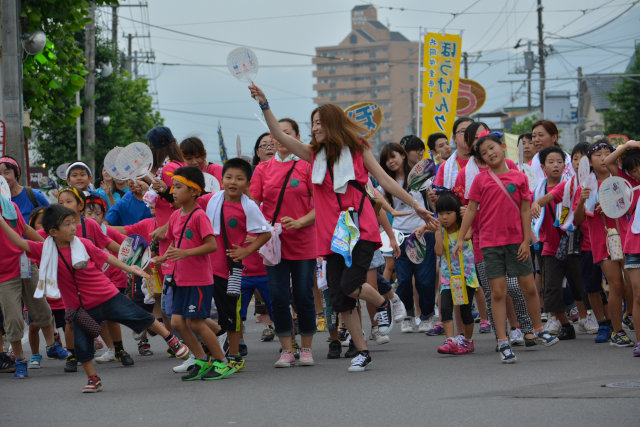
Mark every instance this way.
x=335 y=139
x=196 y=155
x=296 y=215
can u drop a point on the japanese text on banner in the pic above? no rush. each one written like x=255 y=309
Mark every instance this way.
x=440 y=75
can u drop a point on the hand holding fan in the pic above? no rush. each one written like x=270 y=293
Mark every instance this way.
x=135 y=161
x=242 y=63
x=422 y=171
x=134 y=250
x=615 y=196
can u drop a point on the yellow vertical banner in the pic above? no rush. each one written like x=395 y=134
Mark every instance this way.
x=440 y=75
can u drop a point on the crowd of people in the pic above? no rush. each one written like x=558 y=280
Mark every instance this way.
x=300 y=228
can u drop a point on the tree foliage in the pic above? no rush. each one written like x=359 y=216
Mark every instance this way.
x=624 y=118
x=524 y=126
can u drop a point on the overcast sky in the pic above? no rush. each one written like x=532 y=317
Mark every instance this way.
x=490 y=30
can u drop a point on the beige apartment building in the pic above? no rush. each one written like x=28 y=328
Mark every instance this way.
x=371 y=64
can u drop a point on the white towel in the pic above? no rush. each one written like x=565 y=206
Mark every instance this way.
x=256 y=223
x=451 y=171
x=470 y=172
x=566 y=174
x=635 y=225
x=48 y=279
x=343 y=171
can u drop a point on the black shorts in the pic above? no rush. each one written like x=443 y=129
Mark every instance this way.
x=58 y=316
x=343 y=280
x=228 y=306
x=591 y=273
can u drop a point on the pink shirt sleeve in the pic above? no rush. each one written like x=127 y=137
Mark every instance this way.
x=558 y=191
x=257 y=182
x=439 y=179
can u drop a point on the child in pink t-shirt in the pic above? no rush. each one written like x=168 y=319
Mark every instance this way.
x=504 y=239
x=87 y=287
x=191 y=241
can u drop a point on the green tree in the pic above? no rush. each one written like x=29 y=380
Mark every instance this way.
x=127 y=103
x=624 y=117
x=524 y=126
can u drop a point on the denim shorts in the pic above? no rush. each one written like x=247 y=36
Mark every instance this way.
x=500 y=261
x=631 y=261
x=192 y=302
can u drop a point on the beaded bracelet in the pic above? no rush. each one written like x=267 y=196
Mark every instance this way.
x=264 y=106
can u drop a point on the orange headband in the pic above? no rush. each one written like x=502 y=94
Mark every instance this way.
x=185 y=181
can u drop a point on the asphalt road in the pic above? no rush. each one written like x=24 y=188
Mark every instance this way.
x=409 y=384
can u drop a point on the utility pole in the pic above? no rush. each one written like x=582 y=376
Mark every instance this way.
x=11 y=85
x=581 y=113
x=528 y=65
x=89 y=90
x=114 y=28
x=412 y=94
x=465 y=57
x=541 y=57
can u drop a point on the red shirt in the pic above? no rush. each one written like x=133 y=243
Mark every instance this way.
x=550 y=234
x=235 y=223
x=143 y=228
x=266 y=185
x=10 y=253
x=95 y=288
x=439 y=179
x=164 y=210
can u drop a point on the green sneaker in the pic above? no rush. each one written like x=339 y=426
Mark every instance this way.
x=219 y=371
x=198 y=369
x=620 y=339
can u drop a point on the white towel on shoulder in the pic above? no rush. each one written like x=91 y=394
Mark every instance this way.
x=343 y=171
x=470 y=172
x=451 y=171
x=48 y=279
x=256 y=223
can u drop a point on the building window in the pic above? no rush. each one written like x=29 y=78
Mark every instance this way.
x=353 y=39
x=410 y=51
x=411 y=77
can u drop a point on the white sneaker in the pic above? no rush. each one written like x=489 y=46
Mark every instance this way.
x=184 y=366
x=378 y=337
x=552 y=326
x=427 y=324
x=516 y=337
x=345 y=343
x=107 y=356
x=408 y=325
x=589 y=324
x=399 y=310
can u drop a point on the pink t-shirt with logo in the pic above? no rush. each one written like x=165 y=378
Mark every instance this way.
x=193 y=270
x=10 y=253
x=500 y=219
x=235 y=222
x=328 y=210
x=95 y=288
x=266 y=184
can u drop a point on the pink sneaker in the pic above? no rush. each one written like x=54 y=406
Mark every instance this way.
x=465 y=346
x=449 y=347
x=287 y=360
x=306 y=358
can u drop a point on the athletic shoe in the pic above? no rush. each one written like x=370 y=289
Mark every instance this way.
x=361 y=362
x=506 y=355
x=144 y=348
x=352 y=351
x=107 y=356
x=224 y=343
x=321 y=324
x=286 y=360
x=267 y=334
x=619 y=339
x=485 y=326
x=545 y=338
x=567 y=333
x=544 y=316
x=449 y=347
x=97 y=344
x=219 y=371
x=94 y=385
x=378 y=337
x=56 y=351
x=345 y=342
x=6 y=364
x=408 y=325
x=198 y=369
x=124 y=358
x=552 y=326
x=243 y=349
x=34 y=362
x=71 y=364
x=335 y=348
x=530 y=342
x=573 y=314
x=426 y=325
x=343 y=335
x=177 y=348
x=399 y=310
x=604 y=334
x=237 y=363
x=384 y=316
x=21 y=369
x=465 y=346
x=516 y=337
x=627 y=320
x=438 y=329
x=296 y=349
x=590 y=324
x=184 y=366
x=306 y=357
x=636 y=350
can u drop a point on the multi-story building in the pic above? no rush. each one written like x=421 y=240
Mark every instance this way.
x=371 y=64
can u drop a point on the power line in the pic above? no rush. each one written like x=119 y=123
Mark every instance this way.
x=264 y=18
x=600 y=26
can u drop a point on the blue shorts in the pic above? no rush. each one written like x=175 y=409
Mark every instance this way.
x=192 y=302
x=249 y=285
x=631 y=261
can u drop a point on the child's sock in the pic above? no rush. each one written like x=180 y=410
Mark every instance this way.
x=169 y=337
x=537 y=330
x=503 y=342
x=117 y=345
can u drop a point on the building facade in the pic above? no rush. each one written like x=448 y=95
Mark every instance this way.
x=373 y=64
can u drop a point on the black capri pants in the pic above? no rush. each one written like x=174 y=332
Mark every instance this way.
x=447 y=306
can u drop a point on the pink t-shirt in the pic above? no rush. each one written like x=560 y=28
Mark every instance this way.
x=95 y=288
x=143 y=228
x=117 y=276
x=439 y=179
x=597 y=232
x=253 y=264
x=235 y=222
x=193 y=270
x=215 y=170
x=500 y=219
x=550 y=234
x=632 y=241
x=164 y=210
x=328 y=209
x=558 y=192
x=266 y=184
x=10 y=253
x=461 y=180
